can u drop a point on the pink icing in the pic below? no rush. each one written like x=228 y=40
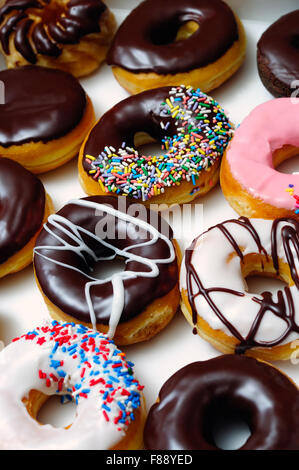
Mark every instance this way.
x=267 y=128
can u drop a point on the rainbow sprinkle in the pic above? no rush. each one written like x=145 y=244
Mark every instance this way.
x=291 y=191
x=196 y=136
x=100 y=367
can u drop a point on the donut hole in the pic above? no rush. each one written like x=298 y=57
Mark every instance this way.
x=286 y=160
x=147 y=145
x=105 y=269
x=226 y=425
x=55 y=413
x=260 y=275
x=50 y=409
x=50 y=13
x=173 y=31
x=259 y=283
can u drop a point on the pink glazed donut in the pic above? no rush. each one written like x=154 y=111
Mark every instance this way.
x=267 y=137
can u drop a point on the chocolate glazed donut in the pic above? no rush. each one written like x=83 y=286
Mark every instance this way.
x=49 y=104
x=191 y=399
x=144 y=42
x=70 y=245
x=22 y=206
x=278 y=55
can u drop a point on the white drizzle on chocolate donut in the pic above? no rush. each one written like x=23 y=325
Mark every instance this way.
x=72 y=231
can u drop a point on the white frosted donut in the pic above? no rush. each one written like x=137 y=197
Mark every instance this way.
x=214 y=292
x=78 y=363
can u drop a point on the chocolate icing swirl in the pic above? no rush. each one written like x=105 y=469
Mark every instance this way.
x=191 y=400
x=49 y=104
x=283 y=308
x=22 y=206
x=49 y=22
x=145 y=41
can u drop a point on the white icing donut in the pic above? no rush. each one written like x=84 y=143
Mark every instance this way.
x=211 y=274
x=76 y=362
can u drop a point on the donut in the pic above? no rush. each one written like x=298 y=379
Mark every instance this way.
x=24 y=206
x=192 y=399
x=191 y=127
x=196 y=42
x=277 y=55
x=131 y=305
x=248 y=176
x=43 y=122
x=80 y=365
x=215 y=298
x=70 y=35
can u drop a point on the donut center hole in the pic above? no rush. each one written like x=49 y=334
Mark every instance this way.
x=146 y=145
x=105 y=269
x=287 y=161
x=164 y=34
x=226 y=425
x=57 y=414
x=259 y=283
x=261 y=276
x=50 y=13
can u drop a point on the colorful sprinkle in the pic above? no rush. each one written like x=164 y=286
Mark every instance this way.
x=117 y=390
x=196 y=141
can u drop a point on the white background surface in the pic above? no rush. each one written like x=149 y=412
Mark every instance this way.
x=21 y=306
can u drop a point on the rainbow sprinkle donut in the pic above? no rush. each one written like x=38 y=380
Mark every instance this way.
x=191 y=127
x=79 y=364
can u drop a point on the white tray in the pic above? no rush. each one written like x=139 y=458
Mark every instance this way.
x=22 y=307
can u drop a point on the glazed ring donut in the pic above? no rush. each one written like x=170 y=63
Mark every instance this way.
x=24 y=206
x=248 y=178
x=44 y=121
x=192 y=129
x=71 y=35
x=80 y=365
x=215 y=299
x=196 y=42
x=131 y=305
x=277 y=55
x=191 y=401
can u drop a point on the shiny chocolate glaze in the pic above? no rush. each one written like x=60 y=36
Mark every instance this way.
x=278 y=54
x=192 y=398
x=41 y=104
x=54 y=24
x=22 y=206
x=284 y=307
x=147 y=112
x=63 y=274
x=145 y=41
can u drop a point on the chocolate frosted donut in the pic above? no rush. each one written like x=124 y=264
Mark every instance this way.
x=191 y=399
x=155 y=39
x=192 y=129
x=43 y=121
x=278 y=55
x=48 y=105
x=23 y=209
x=38 y=32
x=98 y=229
